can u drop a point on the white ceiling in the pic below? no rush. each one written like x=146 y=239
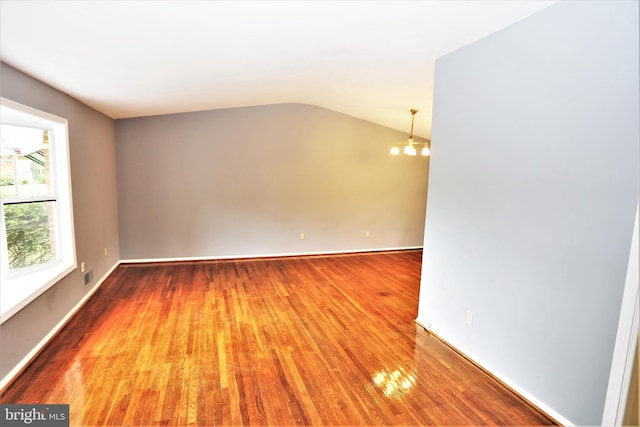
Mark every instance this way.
x=369 y=59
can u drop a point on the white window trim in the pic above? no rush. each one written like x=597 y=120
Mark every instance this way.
x=18 y=290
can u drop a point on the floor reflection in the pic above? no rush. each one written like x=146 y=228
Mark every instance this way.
x=399 y=379
x=74 y=390
x=396 y=383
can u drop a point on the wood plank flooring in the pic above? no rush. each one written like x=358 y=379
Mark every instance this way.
x=323 y=340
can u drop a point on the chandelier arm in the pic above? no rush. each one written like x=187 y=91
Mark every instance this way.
x=413 y=116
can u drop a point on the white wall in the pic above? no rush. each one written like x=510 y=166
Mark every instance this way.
x=248 y=181
x=532 y=196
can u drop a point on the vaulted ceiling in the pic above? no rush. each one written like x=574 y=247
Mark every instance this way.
x=370 y=59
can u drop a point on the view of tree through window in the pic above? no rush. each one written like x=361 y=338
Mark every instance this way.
x=28 y=196
x=28 y=234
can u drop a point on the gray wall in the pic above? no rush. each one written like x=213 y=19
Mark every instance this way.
x=93 y=181
x=532 y=196
x=248 y=181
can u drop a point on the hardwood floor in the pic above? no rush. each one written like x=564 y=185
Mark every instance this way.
x=324 y=340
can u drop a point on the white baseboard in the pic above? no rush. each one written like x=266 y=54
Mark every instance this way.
x=626 y=338
x=509 y=383
x=36 y=350
x=276 y=255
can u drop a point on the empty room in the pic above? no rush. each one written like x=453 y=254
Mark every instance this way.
x=319 y=212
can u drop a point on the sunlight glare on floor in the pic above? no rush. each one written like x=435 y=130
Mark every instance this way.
x=395 y=383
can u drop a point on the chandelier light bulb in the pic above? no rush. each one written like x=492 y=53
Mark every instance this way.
x=395 y=151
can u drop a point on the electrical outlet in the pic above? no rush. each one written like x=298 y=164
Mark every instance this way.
x=367 y=234
x=82 y=267
x=301 y=236
x=469 y=317
x=105 y=252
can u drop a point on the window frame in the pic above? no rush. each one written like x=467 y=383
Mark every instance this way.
x=21 y=286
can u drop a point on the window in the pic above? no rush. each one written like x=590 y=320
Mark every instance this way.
x=36 y=219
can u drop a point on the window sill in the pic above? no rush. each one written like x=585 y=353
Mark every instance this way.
x=16 y=293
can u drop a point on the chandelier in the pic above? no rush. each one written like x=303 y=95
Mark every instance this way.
x=410 y=146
